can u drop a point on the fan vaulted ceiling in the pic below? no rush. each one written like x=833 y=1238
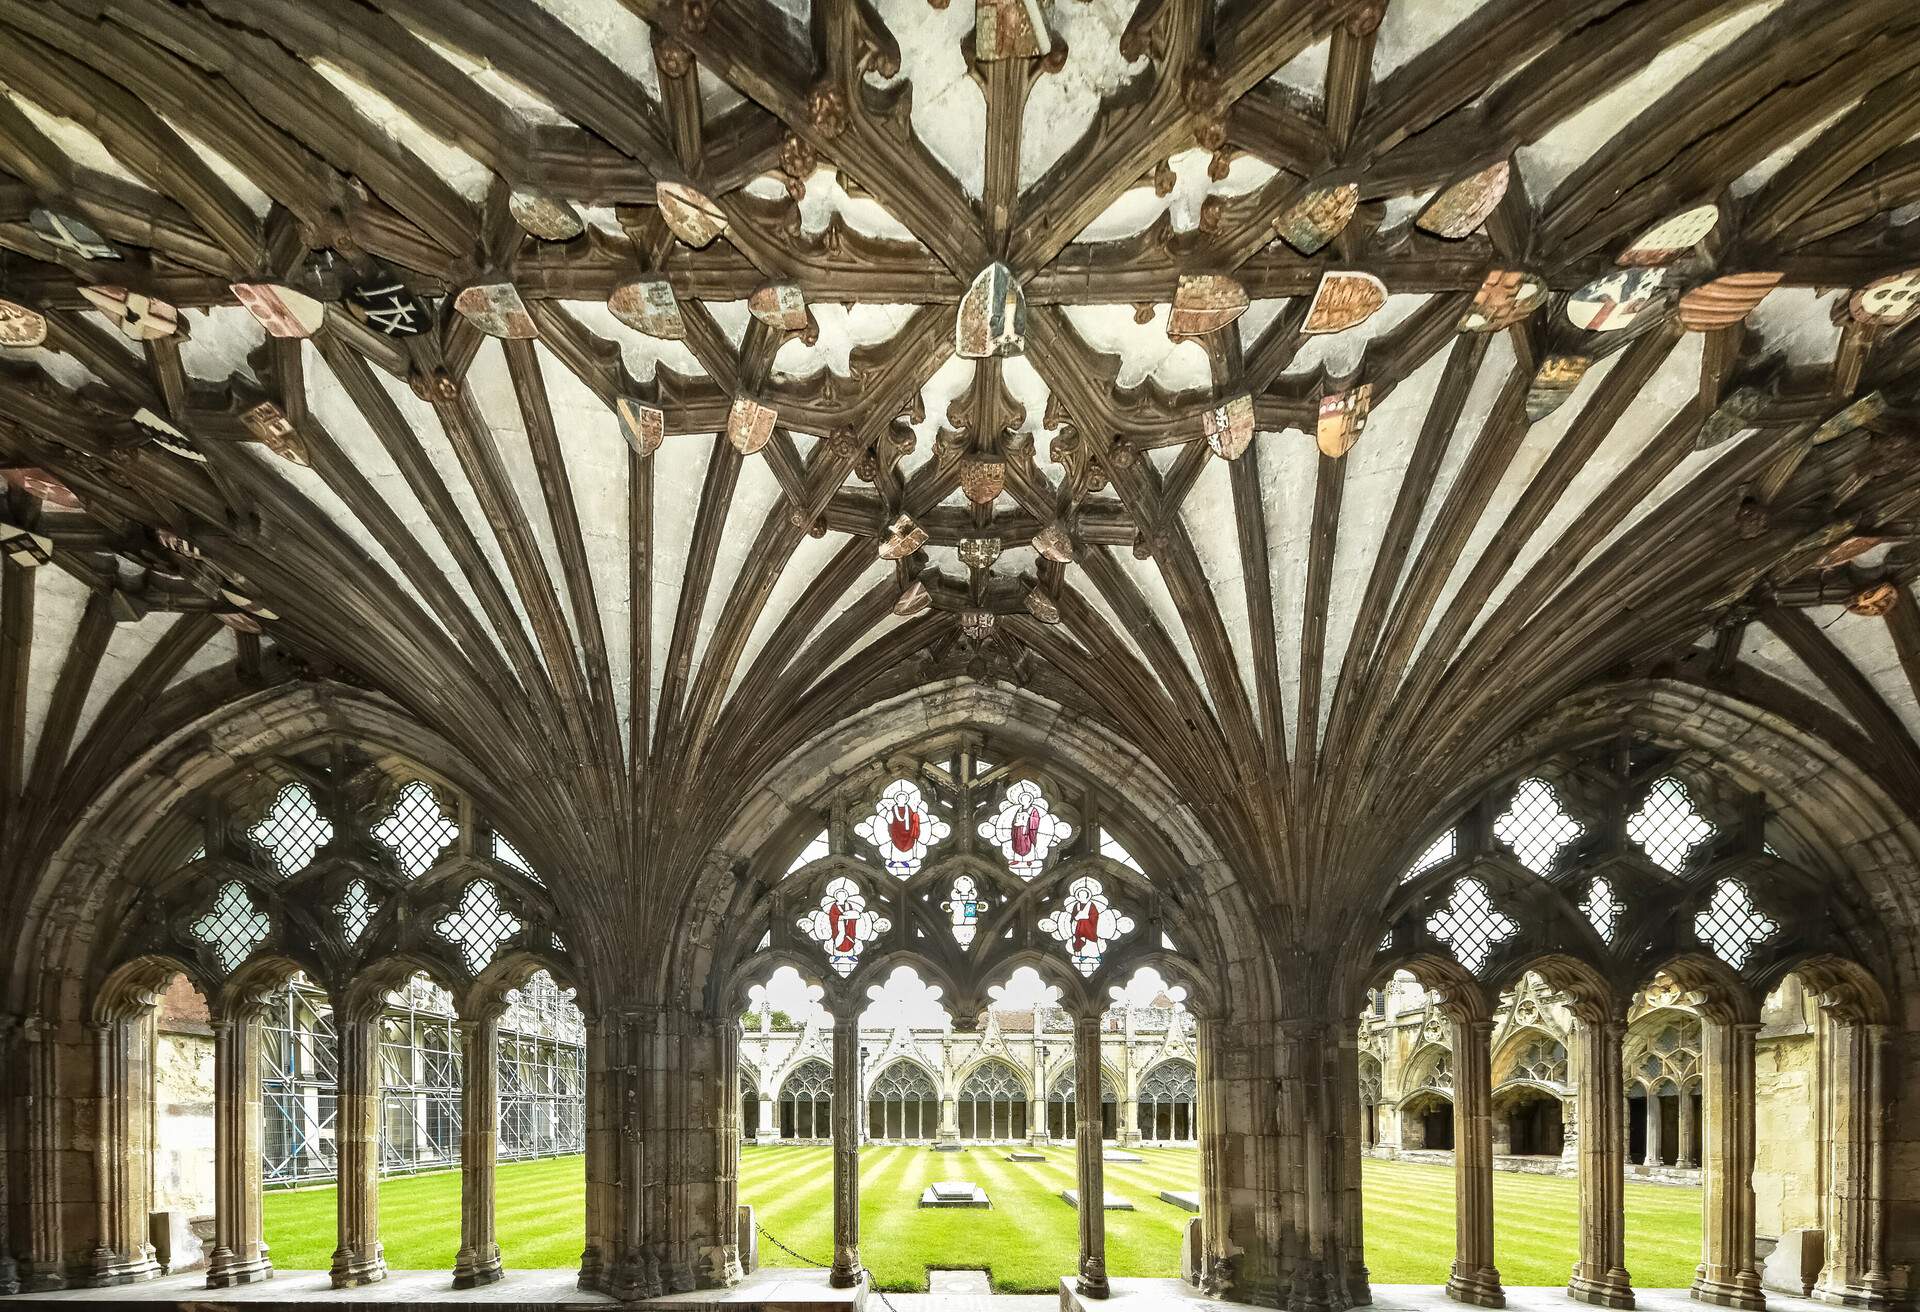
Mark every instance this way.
x=1312 y=643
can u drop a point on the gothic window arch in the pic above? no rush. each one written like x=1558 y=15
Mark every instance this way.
x=1166 y=1101
x=749 y=1106
x=992 y=1103
x=1535 y=1057
x=1063 y=1111
x=902 y=1103
x=291 y=829
x=806 y=1101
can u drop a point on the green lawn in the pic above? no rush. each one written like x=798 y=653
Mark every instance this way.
x=1027 y=1239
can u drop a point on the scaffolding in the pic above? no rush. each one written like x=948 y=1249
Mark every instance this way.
x=541 y=1072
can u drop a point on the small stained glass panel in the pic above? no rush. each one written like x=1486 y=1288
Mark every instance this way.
x=1025 y=829
x=1732 y=925
x=902 y=828
x=1535 y=827
x=1470 y=924
x=819 y=847
x=842 y=924
x=963 y=907
x=292 y=830
x=233 y=927
x=478 y=925
x=1086 y=923
x=416 y=830
x=1668 y=827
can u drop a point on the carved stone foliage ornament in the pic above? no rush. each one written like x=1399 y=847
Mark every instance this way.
x=1553 y=382
x=1318 y=216
x=1611 y=303
x=1205 y=303
x=21 y=326
x=992 y=318
x=1229 y=426
x=1505 y=298
x=139 y=316
x=1010 y=29
x=272 y=429
x=495 y=308
x=546 y=217
x=1669 y=239
x=644 y=426
x=780 y=305
x=282 y=311
x=692 y=216
x=749 y=424
x=1887 y=302
x=1460 y=209
x=1344 y=299
x=647 y=305
x=1343 y=417
x=904 y=537
x=70 y=236
x=1725 y=301
x=387 y=307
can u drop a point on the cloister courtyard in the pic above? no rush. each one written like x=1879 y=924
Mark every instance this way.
x=1409 y=1215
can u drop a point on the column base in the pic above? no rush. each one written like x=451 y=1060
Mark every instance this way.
x=43 y=1282
x=838 y=1279
x=1874 y=1292
x=635 y=1276
x=350 y=1270
x=225 y=1269
x=474 y=1275
x=1092 y=1286
x=9 y=1276
x=1743 y=1291
x=111 y=1268
x=1478 y=1285
x=1614 y=1289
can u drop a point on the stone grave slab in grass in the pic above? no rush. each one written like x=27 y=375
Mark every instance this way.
x=1115 y=1203
x=1112 y=1156
x=1026 y=1157
x=948 y=1148
x=954 y=1193
x=1179 y=1199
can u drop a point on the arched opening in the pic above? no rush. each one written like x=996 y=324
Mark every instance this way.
x=1166 y=1102
x=902 y=1103
x=1529 y=1124
x=1426 y=1122
x=1063 y=1114
x=749 y=1107
x=993 y=1103
x=806 y=1101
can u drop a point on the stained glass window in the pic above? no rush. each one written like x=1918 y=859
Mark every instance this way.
x=902 y=828
x=292 y=829
x=233 y=927
x=1441 y=849
x=963 y=907
x=1470 y=924
x=1535 y=827
x=1086 y=922
x=478 y=925
x=842 y=925
x=356 y=909
x=1732 y=925
x=1601 y=908
x=416 y=830
x=1667 y=826
x=1025 y=829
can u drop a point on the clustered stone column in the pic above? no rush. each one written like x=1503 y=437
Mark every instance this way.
x=1654 y=1125
x=358 y=1258
x=1088 y=1150
x=1855 y=1273
x=1683 y=1151
x=846 y=1152
x=1600 y=1275
x=478 y=1262
x=1726 y=1276
x=122 y=1254
x=1474 y=1278
x=45 y=1267
x=239 y=1254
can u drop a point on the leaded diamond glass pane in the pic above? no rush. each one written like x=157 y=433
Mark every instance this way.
x=1732 y=925
x=1470 y=924
x=233 y=927
x=292 y=830
x=509 y=855
x=1535 y=826
x=478 y=925
x=416 y=830
x=1601 y=909
x=1667 y=826
x=819 y=847
x=1441 y=849
x=355 y=909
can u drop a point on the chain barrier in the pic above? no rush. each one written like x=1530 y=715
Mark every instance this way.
x=873 y=1283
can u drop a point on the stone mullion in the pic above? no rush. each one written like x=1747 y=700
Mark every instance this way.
x=46 y=1269
x=1726 y=1276
x=1855 y=1273
x=478 y=1262
x=358 y=1258
x=602 y=1148
x=239 y=1255
x=1215 y=1138
x=1600 y=1274
x=1474 y=1278
x=1088 y=1153
x=123 y=1159
x=847 y=1268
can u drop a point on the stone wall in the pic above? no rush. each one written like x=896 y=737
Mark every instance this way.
x=183 y=1104
x=1791 y=1141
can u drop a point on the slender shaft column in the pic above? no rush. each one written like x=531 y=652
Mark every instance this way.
x=1087 y=1153
x=846 y=1152
x=358 y=1258
x=1600 y=1274
x=123 y=1157
x=1856 y=1268
x=1726 y=1276
x=1654 y=1122
x=45 y=1265
x=478 y=1262
x=239 y=1254
x=1037 y=1117
x=1475 y=1278
x=1683 y=1151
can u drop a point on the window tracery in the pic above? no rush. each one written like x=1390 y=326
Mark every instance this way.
x=1470 y=924
x=1535 y=826
x=233 y=927
x=1732 y=925
x=842 y=925
x=356 y=910
x=416 y=830
x=478 y=925
x=1441 y=849
x=1668 y=827
x=806 y=1101
x=963 y=906
x=1086 y=923
x=292 y=829
x=1542 y=1060
x=902 y=828
x=509 y=855
x=1601 y=909
x=1025 y=829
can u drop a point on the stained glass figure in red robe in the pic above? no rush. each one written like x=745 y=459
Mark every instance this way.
x=902 y=828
